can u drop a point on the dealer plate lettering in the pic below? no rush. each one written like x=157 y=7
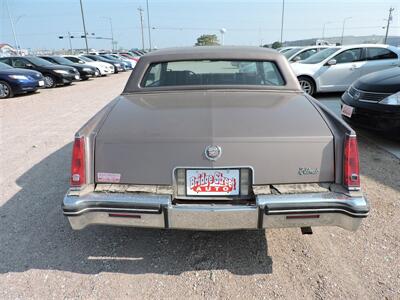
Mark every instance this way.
x=206 y=182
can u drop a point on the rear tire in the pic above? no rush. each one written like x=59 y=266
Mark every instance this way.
x=49 y=81
x=307 y=84
x=5 y=90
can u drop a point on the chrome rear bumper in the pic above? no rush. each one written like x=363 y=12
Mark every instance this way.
x=270 y=211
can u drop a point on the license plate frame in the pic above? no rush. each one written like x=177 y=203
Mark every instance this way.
x=228 y=188
x=347 y=110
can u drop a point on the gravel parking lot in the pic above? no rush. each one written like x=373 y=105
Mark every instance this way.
x=41 y=257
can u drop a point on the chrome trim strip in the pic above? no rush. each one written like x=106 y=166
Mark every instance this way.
x=316 y=211
x=368 y=101
x=111 y=209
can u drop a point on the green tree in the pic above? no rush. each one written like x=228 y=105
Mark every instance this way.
x=207 y=40
x=276 y=45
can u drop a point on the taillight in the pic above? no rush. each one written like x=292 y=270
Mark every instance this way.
x=78 y=172
x=351 y=168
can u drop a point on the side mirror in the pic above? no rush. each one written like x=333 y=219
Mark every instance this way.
x=296 y=58
x=81 y=62
x=331 y=62
x=28 y=65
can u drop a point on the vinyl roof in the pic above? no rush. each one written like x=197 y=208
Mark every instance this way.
x=216 y=52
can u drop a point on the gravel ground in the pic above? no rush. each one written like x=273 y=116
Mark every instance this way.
x=41 y=257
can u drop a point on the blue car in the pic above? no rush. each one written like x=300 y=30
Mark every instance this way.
x=126 y=64
x=14 y=81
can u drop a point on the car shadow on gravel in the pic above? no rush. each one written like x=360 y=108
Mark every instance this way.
x=35 y=235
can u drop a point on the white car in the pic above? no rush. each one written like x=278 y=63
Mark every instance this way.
x=103 y=68
x=302 y=53
x=336 y=68
x=285 y=49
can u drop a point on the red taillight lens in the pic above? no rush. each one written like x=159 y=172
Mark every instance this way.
x=351 y=168
x=78 y=174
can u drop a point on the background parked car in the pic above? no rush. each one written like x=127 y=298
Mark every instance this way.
x=373 y=102
x=130 y=55
x=302 y=53
x=335 y=69
x=285 y=49
x=138 y=52
x=117 y=66
x=85 y=71
x=103 y=68
x=53 y=74
x=15 y=81
x=125 y=64
x=124 y=58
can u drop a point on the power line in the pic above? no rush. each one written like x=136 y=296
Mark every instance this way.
x=122 y=29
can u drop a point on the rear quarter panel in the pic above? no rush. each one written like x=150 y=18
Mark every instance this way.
x=339 y=130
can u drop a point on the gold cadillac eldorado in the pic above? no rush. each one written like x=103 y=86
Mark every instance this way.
x=215 y=138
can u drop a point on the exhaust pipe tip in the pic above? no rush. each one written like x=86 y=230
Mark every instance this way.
x=306 y=230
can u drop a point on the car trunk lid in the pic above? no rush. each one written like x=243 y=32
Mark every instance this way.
x=280 y=135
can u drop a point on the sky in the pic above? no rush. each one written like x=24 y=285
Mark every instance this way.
x=38 y=23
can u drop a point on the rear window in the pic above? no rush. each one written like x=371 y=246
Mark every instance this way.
x=380 y=53
x=212 y=72
x=291 y=52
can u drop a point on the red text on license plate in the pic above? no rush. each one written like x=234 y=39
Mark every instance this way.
x=212 y=182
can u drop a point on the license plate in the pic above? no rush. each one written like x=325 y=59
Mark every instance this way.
x=77 y=77
x=215 y=182
x=347 y=110
x=41 y=83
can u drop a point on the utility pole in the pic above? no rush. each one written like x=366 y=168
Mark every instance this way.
x=148 y=24
x=388 y=23
x=283 y=17
x=323 y=29
x=112 y=35
x=344 y=22
x=112 y=32
x=70 y=42
x=141 y=25
x=12 y=28
x=84 y=28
